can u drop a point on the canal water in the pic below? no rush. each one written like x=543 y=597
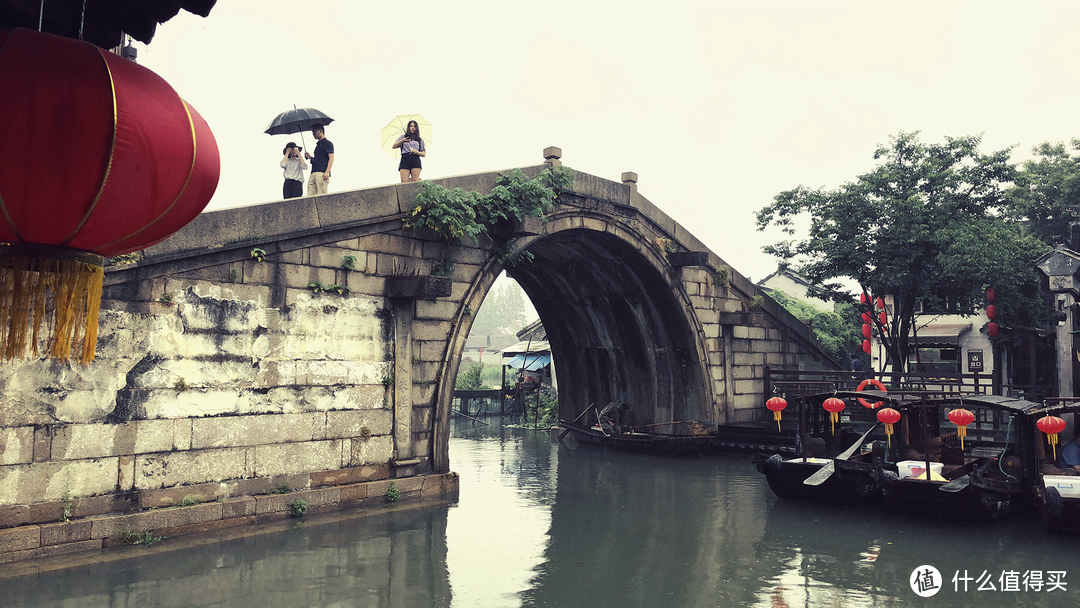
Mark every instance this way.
x=543 y=524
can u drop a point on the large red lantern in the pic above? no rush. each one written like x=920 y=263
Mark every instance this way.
x=991 y=311
x=866 y=318
x=888 y=416
x=110 y=160
x=776 y=405
x=881 y=302
x=882 y=318
x=863 y=298
x=990 y=294
x=1051 y=425
x=961 y=418
x=992 y=329
x=866 y=330
x=834 y=406
x=866 y=346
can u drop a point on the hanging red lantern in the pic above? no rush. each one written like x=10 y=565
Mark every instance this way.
x=866 y=318
x=881 y=302
x=991 y=311
x=834 y=406
x=992 y=329
x=866 y=346
x=888 y=417
x=110 y=161
x=1051 y=425
x=866 y=331
x=990 y=294
x=882 y=318
x=776 y=405
x=863 y=298
x=961 y=418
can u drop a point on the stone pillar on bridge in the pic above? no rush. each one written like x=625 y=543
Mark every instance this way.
x=403 y=383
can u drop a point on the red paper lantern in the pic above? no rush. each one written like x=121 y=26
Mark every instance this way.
x=1051 y=425
x=776 y=405
x=882 y=318
x=863 y=298
x=881 y=302
x=110 y=160
x=961 y=418
x=888 y=416
x=834 y=406
x=866 y=318
x=992 y=329
x=990 y=294
x=866 y=346
x=866 y=332
x=991 y=311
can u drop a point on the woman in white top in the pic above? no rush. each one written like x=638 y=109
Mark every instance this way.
x=412 y=149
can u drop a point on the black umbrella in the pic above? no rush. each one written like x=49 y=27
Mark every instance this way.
x=297 y=120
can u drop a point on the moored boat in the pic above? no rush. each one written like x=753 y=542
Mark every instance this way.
x=1058 y=494
x=641 y=441
x=983 y=472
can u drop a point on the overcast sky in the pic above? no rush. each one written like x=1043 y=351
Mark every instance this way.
x=718 y=106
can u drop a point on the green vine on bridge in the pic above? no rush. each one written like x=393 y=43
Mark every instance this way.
x=457 y=213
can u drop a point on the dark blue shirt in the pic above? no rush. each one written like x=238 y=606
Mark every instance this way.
x=1069 y=455
x=856 y=365
x=323 y=150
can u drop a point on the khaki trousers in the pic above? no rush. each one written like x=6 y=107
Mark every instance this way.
x=316 y=184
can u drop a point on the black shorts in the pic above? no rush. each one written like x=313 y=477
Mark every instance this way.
x=409 y=162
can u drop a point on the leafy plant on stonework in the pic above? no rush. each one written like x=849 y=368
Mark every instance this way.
x=507 y=258
x=721 y=276
x=393 y=493
x=180 y=385
x=188 y=501
x=298 y=507
x=124 y=258
x=234 y=275
x=388 y=379
x=138 y=538
x=668 y=246
x=281 y=489
x=70 y=506
x=348 y=262
x=755 y=302
x=258 y=254
x=456 y=214
x=443 y=266
x=319 y=287
x=166 y=298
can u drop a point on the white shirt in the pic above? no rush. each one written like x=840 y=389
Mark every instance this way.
x=294 y=168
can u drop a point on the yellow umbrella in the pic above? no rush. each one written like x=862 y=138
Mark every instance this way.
x=396 y=128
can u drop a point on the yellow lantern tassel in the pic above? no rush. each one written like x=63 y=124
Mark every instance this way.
x=1053 y=444
x=888 y=434
x=834 y=417
x=54 y=287
x=962 y=432
x=776 y=417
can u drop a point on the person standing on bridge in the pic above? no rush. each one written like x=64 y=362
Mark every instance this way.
x=294 y=167
x=323 y=161
x=412 y=149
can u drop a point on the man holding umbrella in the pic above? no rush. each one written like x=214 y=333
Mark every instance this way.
x=294 y=167
x=322 y=163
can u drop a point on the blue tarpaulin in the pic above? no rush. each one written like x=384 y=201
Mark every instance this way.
x=530 y=362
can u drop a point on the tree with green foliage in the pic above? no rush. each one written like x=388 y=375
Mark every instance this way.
x=472 y=379
x=925 y=224
x=838 y=332
x=1045 y=188
x=503 y=307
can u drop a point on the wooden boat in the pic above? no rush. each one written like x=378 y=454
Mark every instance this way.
x=1057 y=496
x=841 y=469
x=993 y=473
x=643 y=442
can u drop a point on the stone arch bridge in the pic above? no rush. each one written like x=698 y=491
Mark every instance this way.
x=219 y=365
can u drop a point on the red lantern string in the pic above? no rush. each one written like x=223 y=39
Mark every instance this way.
x=1051 y=425
x=834 y=406
x=888 y=417
x=882 y=318
x=992 y=329
x=866 y=346
x=776 y=405
x=866 y=330
x=961 y=418
x=991 y=311
x=881 y=302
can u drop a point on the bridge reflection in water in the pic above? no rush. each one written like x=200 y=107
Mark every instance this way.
x=543 y=525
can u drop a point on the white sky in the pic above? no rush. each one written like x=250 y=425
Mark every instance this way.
x=718 y=106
